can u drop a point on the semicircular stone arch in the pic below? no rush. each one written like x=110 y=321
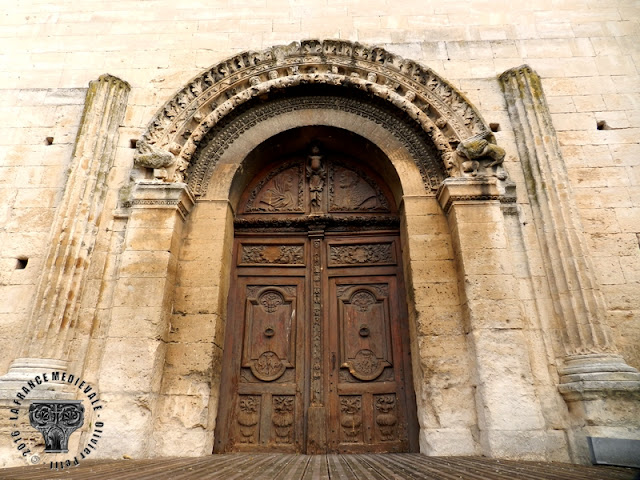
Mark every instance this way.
x=181 y=127
x=411 y=156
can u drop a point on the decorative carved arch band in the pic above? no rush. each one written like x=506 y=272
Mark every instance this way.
x=226 y=132
x=457 y=131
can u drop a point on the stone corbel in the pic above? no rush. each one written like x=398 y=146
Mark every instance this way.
x=162 y=162
x=480 y=156
x=162 y=195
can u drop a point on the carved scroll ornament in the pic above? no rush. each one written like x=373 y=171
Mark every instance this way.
x=56 y=420
x=441 y=111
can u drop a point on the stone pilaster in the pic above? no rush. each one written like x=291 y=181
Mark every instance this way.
x=595 y=381
x=507 y=407
x=134 y=354
x=73 y=234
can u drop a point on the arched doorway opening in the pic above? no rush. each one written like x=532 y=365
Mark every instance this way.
x=317 y=337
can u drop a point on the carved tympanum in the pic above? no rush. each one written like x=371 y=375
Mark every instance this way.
x=317 y=185
x=352 y=191
x=280 y=191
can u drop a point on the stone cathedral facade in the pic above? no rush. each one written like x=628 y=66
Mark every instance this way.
x=332 y=226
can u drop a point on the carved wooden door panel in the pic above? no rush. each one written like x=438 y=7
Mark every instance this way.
x=368 y=366
x=264 y=409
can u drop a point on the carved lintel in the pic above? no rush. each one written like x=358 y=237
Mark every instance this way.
x=304 y=223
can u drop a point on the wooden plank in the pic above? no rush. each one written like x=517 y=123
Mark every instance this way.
x=317 y=468
x=361 y=469
x=338 y=468
x=397 y=472
x=294 y=469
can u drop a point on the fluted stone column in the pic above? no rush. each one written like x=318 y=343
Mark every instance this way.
x=602 y=391
x=510 y=419
x=134 y=353
x=54 y=315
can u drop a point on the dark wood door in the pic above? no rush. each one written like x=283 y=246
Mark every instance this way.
x=316 y=350
x=262 y=401
x=368 y=365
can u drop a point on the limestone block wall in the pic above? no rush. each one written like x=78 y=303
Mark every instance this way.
x=587 y=54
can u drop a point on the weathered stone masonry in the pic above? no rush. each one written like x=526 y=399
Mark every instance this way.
x=512 y=356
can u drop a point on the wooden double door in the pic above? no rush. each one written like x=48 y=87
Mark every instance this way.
x=316 y=356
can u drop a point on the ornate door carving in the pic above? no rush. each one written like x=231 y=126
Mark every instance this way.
x=316 y=352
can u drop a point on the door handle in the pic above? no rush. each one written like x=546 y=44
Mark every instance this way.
x=333 y=361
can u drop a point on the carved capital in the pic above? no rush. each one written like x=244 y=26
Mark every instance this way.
x=162 y=195
x=472 y=190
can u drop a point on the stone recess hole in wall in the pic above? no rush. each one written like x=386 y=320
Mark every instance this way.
x=21 y=263
x=495 y=127
x=133 y=143
x=49 y=140
x=602 y=125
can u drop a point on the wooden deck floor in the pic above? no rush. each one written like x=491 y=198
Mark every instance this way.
x=321 y=467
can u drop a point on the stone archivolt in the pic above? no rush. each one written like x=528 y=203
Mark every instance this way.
x=439 y=109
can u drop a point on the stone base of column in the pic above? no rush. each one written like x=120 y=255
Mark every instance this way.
x=603 y=396
x=23 y=370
